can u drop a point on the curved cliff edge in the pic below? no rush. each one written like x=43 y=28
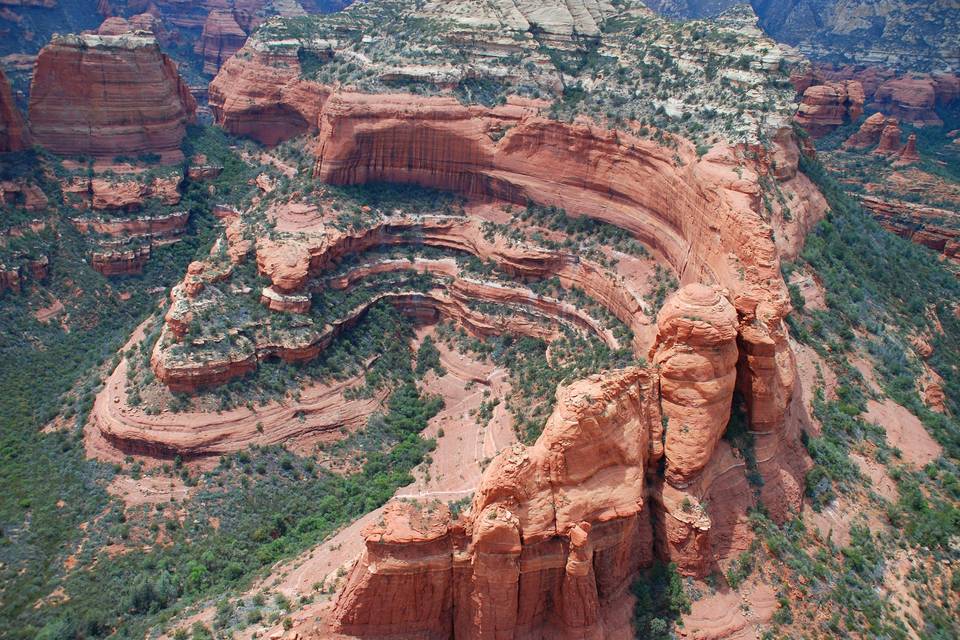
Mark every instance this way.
x=632 y=465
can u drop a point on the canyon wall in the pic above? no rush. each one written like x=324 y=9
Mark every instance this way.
x=108 y=96
x=699 y=214
x=553 y=537
x=14 y=135
x=557 y=530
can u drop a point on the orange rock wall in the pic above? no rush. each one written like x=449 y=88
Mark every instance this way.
x=553 y=538
x=117 y=96
x=14 y=135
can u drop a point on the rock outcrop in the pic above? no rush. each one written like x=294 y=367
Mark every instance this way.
x=936 y=229
x=908 y=154
x=221 y=38
x=108 y=96
x=825 y=107
x=264 y=97
x=290 y=265
x=868 y=135
x=120 y=262
x=547 y=550
x=889 y=139
x=910 y=100
x=14 y=135
x=696 y=353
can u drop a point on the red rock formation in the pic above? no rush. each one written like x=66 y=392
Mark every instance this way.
x=696 y=353
x=122 y=262
x=222 y=37
x=198 y=369
x=164 y=226
x=918 y=223
x=911 y=100
x=889 y=139
x=117 y=26
x=612 y=176
x=825 y=107
x=10 y=279
x=550 y=544
x=263 y=96
x=13 y=132
x=23 y=193
x=129 y=192
x=908 y=155
x=109 y=96
x=869 y=133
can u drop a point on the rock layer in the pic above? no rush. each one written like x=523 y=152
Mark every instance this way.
x=933 y=228
x=221 y=38
x=108 y=96
x=547 y=550
x=825 y=107
x=13 y=132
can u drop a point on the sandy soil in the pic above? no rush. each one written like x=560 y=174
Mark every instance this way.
x=833 y=522
x=810 y=367
x=730 y=615
x=454 y=472
x=865 y=367
x=814 y=297
x=880 y=482
x=904 y=431
x=45 y=314
x=148 y=489
x=466 y=445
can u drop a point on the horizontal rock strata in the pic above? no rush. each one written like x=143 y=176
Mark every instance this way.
x=108 y=96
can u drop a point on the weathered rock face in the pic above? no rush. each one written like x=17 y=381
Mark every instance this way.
x=889 y=139
x=909 y=154
x=123 y=190
x=108 y=96
x=264 y=97
x=163 y=226
x=120 y=262
x=910 y=100
x=222 y=37
x=13 y=132
x=869 y=133
x=933 y=228
x=696 y=352
x=827 y=106
x=547 y=550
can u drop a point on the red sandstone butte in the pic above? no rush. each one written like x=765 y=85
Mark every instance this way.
x=14 y=135
x=222 y=37
x=825 y=107
x=869 y=133
x=108 y=96
x=909 y=154
x=889 y=139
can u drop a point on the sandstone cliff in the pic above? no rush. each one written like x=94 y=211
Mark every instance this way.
x=221 y=38
x=108 y=96
x=547 y=550
x=14 y=135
